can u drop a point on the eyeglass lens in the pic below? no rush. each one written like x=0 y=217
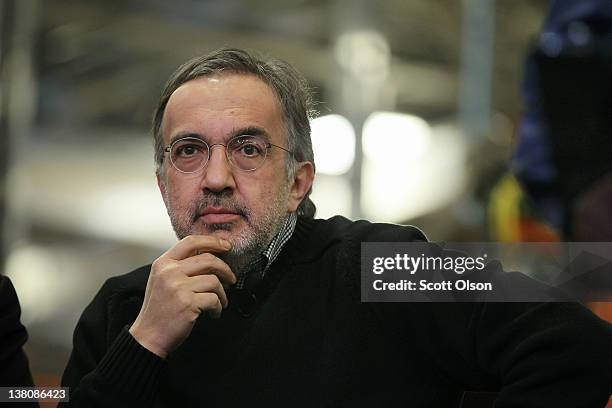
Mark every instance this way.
x=244 y=152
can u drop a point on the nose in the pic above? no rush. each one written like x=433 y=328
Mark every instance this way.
x=218 y=175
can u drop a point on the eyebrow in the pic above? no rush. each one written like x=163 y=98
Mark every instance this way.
x=249 y=130
x=185 y=135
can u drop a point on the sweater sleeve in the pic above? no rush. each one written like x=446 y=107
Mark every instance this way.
x=533 y=354
x=548 y=354
x=104 y=371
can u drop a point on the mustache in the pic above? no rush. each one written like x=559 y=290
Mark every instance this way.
x=217 y=200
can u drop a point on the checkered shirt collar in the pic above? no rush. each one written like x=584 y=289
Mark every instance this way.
x=262 y=264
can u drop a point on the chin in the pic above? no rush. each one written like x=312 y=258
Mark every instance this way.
x=221 y=229
x=227 y=231
x=226 y=226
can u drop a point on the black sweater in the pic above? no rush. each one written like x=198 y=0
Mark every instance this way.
x=312 y=342
x=14 y=368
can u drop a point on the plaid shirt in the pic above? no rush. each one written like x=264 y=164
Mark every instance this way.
x=261 y=264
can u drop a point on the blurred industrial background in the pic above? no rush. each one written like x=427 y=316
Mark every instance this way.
x=419 y=102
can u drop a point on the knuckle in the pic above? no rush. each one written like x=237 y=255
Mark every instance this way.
x=165 y=268
x=183 y=299
x=167 y=278
x=189 y=239
x=158 y=266
x=192 y=240
x=208 y=257
x=210 y=300
x=213 y=280
x=173 y=285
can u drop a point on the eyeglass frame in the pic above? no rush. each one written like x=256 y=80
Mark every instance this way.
x=267 y=143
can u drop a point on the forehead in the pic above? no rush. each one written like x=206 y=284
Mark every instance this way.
x=215 y=106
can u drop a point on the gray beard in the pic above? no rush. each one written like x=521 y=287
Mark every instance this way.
x=251 y=241
x=240 y=259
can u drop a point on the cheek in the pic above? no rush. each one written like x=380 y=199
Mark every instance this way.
x=180 y=193
x=254 y=193
x=259 y=193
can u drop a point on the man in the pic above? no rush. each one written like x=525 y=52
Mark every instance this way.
x=259 y=303
x=14 y=367
x=562 y=157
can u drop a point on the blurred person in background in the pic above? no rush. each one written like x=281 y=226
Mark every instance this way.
x=14 y=367
x=562 y=183
x=259 y=303
x=565 y=142
x=563 y=159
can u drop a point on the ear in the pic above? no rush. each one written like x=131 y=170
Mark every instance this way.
x=299 y=186
x=162 y=187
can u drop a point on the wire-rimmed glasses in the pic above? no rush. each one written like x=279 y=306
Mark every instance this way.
x=245 y=152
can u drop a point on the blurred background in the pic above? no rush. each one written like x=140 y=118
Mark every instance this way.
x=419 y=101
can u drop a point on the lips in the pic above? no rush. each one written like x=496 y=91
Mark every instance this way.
x=218 y=215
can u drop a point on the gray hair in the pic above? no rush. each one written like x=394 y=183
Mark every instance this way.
x=291 y=88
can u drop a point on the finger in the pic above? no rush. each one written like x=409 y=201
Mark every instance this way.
x=208 y=264
x=207 y=283
x=194 y=244
x=208 y=302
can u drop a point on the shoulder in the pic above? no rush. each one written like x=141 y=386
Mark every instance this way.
x=10 y=312
x=116 y=304
x=119 y=291
x=340 y=236
x=314 y=237
x=135 y=280
x=14 y=369
x=366 y=231
x=8 y=297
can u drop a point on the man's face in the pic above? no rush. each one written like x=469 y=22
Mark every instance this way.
x=245 y=208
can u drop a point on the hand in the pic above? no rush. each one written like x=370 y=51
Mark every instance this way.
x=184 y=282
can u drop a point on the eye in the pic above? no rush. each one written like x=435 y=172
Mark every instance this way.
x=188 y=149
x=248 y=147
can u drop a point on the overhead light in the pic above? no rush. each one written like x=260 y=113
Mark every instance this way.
x=333 y=143
x=366 y=54
x=398 y=184
x=395 y=136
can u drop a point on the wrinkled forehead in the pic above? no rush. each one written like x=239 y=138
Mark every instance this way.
x=221 y=102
